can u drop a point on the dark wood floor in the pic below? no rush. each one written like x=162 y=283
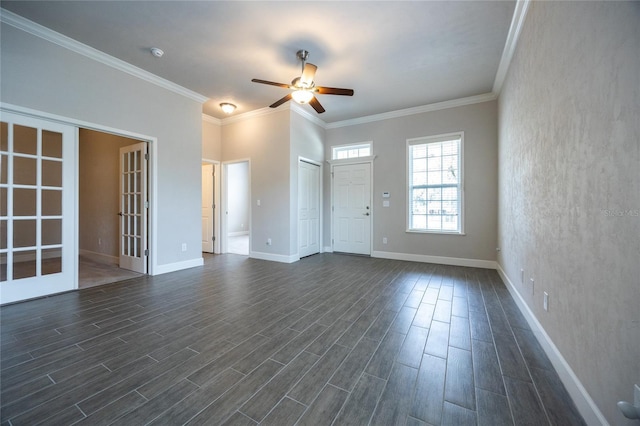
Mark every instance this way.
x=328 y=340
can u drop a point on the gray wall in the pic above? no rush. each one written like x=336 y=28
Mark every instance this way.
x=569 y=187
x=238 y=198
x=46 y=77
x=211 y=140
x=265 y=141
x=307 y=141
x=479 y=123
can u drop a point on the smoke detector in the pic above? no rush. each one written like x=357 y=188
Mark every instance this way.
x=157 y=52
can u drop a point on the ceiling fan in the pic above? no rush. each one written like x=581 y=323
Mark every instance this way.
x=304 y=88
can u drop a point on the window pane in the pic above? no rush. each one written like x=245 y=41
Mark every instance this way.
x=51 y=203
x=25 y=140
x=3 y=234
x=24 y=264
x=24 y=202
x=51 y=144
x=4 y=164
x=419 y=222
x=51 y=231
x=3 y=266
x=52 y=173
x=24 y=233
x=4 y=136
x=51 y=261
x=24 y=171
x=3 y=201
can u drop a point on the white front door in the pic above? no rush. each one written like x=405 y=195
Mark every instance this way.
x=352 y=208
x=37 y=208
x=207 y=207
x=133 y=207
x=308 y=209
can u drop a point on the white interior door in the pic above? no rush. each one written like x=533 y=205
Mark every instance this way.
x=207 y=208
x=37 y=208
x=133 y=207
x=352 y=208
x=308 y=209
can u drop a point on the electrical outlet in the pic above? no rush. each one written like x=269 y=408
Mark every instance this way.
x=184 y=246
x=384 y=240
x=268 y=241
x=532 y=285
x=545 y=301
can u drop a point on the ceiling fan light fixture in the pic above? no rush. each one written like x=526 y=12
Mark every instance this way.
x=302 y=96
x=227 y=108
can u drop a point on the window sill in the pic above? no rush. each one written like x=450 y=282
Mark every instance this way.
x=417 y=231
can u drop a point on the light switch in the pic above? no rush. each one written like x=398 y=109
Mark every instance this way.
x=385 y=203
x=385 y=195
x=258 y=202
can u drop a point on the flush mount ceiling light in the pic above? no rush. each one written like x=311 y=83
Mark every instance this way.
x=157 y=52
x=227 y=108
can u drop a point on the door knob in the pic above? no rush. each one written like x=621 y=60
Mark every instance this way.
x=366 y=214
x=119 y=213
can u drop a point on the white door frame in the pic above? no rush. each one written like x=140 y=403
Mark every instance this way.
x=216 y=202
x=362 y=160
x=320 y=205
x=153 y=174
x=224 y=203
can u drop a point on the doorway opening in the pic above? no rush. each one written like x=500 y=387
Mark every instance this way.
x=112 y=208
x=237 y=208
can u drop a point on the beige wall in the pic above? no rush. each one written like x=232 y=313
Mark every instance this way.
x=99 y=203
x=479 y=123
x=570 y=187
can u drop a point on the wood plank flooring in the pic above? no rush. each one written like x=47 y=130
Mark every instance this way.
x=331 y=339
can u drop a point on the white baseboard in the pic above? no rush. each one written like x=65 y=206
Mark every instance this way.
x=327 y=249
x=106 y=258
x=585 y=405
x=237 y=234
x=283 y=258
x=177 y=266
x=455 y=261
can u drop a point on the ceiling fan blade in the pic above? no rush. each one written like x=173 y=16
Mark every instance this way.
x=316 y=105
x=255 y=80
x=308 y=73
x=279 y=102
x=334 y=91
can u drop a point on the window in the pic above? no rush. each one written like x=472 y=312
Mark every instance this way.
x=343 y=152
x=435 y=184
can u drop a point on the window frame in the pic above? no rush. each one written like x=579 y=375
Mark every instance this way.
x=425 y=140
x=345 y=147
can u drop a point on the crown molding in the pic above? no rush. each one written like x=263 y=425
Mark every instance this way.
x=212 y=120
x=519 y=16
x=301 y=111
x=253 y=114
x=17 y=21
x=486 y=97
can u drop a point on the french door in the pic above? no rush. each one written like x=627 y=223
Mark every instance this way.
x=352 y=208
x=133 y=207
x=37 y=207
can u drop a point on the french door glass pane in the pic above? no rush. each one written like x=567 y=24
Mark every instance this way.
x=51 y=144
x=24 y=171
x=51 y=261
x=24 y=233
x=25 y=140
x=52 y=173
x=51 y=203
x=4 y=136
x=24 y=202
x=51 y=232
x=24 y=264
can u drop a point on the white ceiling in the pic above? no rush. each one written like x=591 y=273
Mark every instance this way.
x=395 y=55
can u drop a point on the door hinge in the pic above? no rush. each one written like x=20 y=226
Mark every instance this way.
x=332 y=208
x=332 y=241
x=146 y=252
x=213 y=238
x=146 y=204
x=146 y=155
